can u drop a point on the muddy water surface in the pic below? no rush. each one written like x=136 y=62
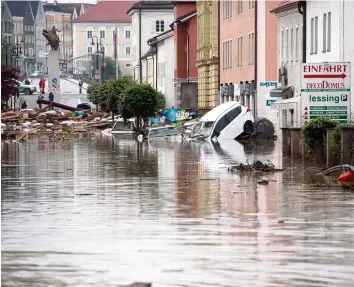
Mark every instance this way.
x=97 y=212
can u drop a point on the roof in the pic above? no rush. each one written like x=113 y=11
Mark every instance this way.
x=52 y=8
x=70 y=7
x=150 y=53
x=106 y=12
x=34 y=6
x=152 y=5
x=188 y=15
x=160 y=37
x=285 y=6
x=17 y=8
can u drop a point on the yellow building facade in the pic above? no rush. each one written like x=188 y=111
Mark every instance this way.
x=208 y=55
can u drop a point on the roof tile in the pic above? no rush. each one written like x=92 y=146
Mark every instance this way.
x=107 y=12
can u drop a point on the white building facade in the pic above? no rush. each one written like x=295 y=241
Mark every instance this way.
x=289 y=60
x=148 y=21
x=329 y=33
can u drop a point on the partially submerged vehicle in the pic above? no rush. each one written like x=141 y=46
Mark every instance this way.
x=343 y=173
x=226 y=121
x=124 y=128
x=165 y=133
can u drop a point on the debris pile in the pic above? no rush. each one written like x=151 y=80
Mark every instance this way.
x=256 y=166
x=27 y=121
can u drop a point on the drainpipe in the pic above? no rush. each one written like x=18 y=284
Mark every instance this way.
x=302 y=10
x=140 y=68
x=219 y=47
x=255 y=57
x=185 y=30
x=156 y=65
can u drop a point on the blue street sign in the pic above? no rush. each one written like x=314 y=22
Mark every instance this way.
x=54 y=80
x=268 y=102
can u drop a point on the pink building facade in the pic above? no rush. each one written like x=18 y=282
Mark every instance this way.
x=248 y=41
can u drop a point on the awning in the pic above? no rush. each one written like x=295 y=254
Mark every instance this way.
x=285 y=104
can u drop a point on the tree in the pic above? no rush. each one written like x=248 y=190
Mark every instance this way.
x=140 y=101
x=9 y=83
x=160 y=101
x=93 y=92
x=116 y=90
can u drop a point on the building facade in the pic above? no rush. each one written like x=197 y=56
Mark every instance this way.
x=208 y=55
x=100 y=23
x=41 y=42
x=6 y=33
x=290 y=57
x=185 y=41
x=149 y=19
x=30 y=35
x=329 y=38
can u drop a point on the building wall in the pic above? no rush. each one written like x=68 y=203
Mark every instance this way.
x=41 y=43
x=148 y=25
x=82 y=44
x=165 y=70
x=6 y=33
x=339 y=33
x=266 y=57
x=30 y=39
x=235 y=28
x=207 y=55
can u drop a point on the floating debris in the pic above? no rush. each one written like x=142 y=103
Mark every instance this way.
x=256 y=166
x=263 y=182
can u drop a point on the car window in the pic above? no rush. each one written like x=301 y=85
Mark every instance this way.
x=221 y=124
x=231 y=115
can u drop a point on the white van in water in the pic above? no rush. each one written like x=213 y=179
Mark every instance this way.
x=226 y=121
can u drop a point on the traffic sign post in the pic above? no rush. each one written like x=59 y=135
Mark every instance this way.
x=325 y=91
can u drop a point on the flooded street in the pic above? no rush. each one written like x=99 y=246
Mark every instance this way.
x=101 y=212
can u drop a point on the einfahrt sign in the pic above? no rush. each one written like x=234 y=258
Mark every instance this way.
x=325 y=91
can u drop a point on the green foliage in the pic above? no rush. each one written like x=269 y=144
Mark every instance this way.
x=140 y=100
x=314 y=132
x=336 y=141
x=160 y=101
x=115 y=93
x=93 y=92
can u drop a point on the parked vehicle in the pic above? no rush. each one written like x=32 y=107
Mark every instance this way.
x=226 y=121
x=165 y=133
x=37 y=74
x=26 y=89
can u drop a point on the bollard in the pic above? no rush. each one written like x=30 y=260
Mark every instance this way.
x=295 y=142
x=286 y=141
x=332 y=159
x=347 y=139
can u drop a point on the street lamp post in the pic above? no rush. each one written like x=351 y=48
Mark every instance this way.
x=98 y=52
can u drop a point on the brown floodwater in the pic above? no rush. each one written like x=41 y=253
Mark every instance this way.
x=102 y=212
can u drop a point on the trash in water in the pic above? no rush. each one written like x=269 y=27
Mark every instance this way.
x=256 y=166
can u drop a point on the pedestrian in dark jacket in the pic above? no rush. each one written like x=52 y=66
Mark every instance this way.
x=51 y=99
x=80 y=86
x=24 y=105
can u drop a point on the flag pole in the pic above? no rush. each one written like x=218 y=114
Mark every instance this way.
x=116 y=52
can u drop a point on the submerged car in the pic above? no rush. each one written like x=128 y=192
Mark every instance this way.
x=27 y=89
x=166 y=133
x=226 y=121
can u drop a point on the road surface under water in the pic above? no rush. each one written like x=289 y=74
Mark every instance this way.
x=97 y=212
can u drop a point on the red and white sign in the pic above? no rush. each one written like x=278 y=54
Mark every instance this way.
x=326 y=91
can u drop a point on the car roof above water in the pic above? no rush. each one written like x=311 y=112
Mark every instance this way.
x=213 y=115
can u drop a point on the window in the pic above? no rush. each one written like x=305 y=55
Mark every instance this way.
x=296 y=43
x=233 y=114
x=282 y=46
x=251 y=48
x=251 y=4
x=127 y=34
x=316 y=35
x=291 y=44
x=287 y=46
x=312 y=34
x=324 y=37
x=239 y=7
x=89 y=50
x=227 y=9
x=329 y=31
x=127 y=65
x=227 y=54
x=89 y=34
x=220 y=125
x=127 y=50
x=239 y=51
x=102 y=34
x=160 y=26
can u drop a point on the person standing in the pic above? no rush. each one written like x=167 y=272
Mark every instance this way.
x=80 y=85
x=24 y=105
x=40 y=97
x=42 y=86
x=51 y=99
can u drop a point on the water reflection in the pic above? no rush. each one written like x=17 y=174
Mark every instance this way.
x=98 y=211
